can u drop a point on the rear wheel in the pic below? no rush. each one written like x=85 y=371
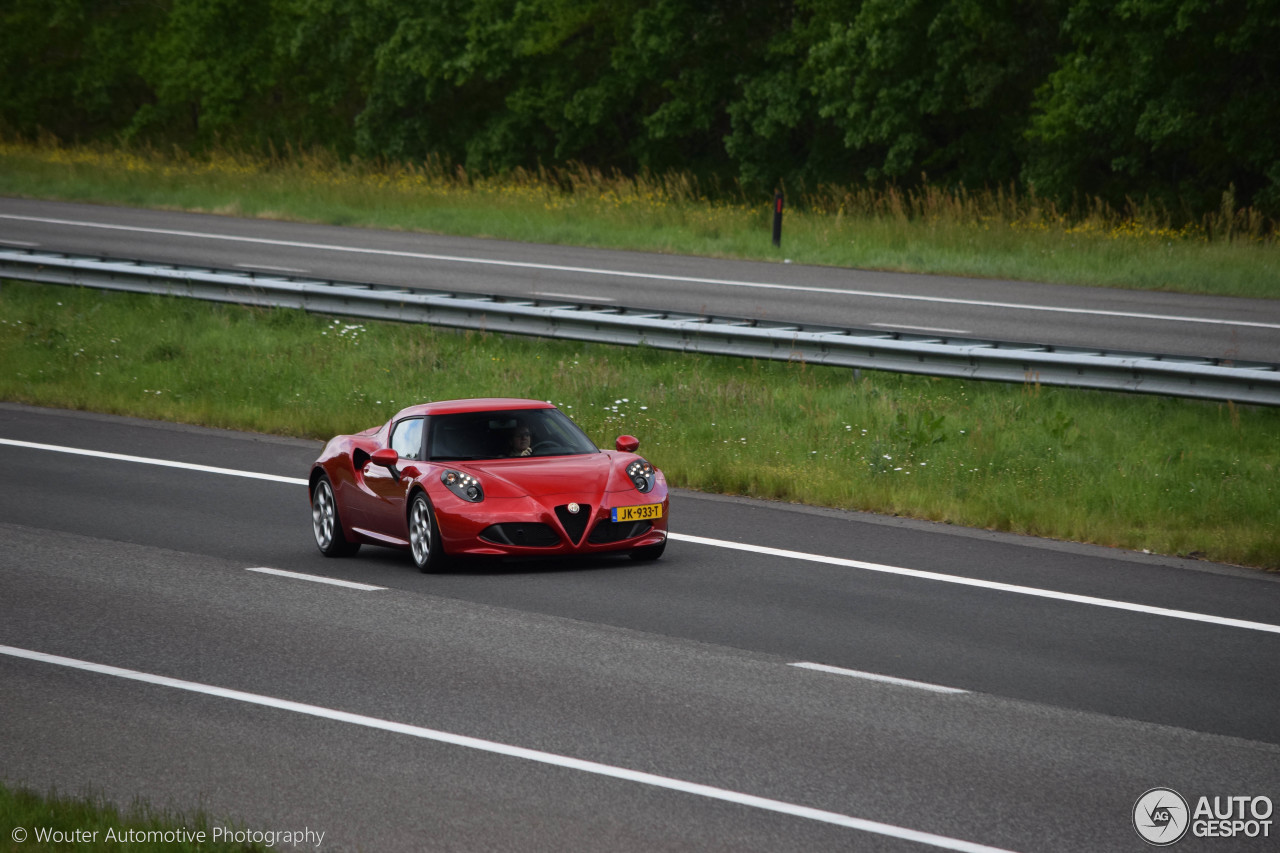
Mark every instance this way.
x=325 y=523
x=424 y=536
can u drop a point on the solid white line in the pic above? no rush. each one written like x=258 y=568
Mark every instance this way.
x=328 y=247
x=982 y=584
x=755 y=549
x=887 y=679
x=316 y=578
x=164 y=463
x=23 y=244
x=580 y=765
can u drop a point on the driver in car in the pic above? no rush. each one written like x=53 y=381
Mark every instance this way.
x=520 y=442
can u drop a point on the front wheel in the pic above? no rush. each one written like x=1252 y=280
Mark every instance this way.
x=326 y=524
x=424 y=536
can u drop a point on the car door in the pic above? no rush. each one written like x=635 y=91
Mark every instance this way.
x=384 y=507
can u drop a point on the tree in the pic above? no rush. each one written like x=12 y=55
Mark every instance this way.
x=68 y=67
x=937 y=86
x=211 y=68
x=1173 y=99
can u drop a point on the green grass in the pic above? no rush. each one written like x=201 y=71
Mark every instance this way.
x=57 y=821
x=1168 y=475
x=989 y=233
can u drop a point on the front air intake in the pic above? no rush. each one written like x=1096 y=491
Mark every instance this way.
x=525 y=534
x=615 y=531
x=574 y=523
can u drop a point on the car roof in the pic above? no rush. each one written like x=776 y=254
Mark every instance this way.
x=479 y=404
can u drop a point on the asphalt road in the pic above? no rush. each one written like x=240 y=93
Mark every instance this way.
x=605 y=705
x=1107 y=319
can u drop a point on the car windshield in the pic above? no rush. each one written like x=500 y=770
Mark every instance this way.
x=495 y=435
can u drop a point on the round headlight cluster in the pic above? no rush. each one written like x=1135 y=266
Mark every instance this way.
x=463 y=485
x=641 y=474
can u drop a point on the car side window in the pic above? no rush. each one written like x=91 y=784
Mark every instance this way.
x=406 y=438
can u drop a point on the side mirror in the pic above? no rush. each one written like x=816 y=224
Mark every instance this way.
x=387 y=458
x=627 y=443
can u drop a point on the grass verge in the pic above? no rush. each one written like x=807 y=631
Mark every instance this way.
x=59 y=822
x=981 y=234
x=1167 y=475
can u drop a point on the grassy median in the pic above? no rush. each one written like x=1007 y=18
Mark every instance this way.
x=57 y=821
x=1168 y=475
x=986 y=233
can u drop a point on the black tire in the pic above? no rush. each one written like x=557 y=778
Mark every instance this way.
x=650 y=552
x=424 y=536
x=326 y=525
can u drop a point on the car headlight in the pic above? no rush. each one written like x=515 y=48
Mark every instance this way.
x=463 y=485
x=641 y=474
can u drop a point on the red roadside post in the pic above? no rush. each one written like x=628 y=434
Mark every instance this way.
x=777 y=218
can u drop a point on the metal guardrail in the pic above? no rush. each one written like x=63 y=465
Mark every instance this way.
x=1178 y=376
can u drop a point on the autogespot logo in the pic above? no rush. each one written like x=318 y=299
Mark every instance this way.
x=1161 y=817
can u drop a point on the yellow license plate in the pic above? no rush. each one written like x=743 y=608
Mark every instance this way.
x=637 y=513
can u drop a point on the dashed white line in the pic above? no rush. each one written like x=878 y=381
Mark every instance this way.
x=462 y=259
x=922 y=328
x=316 y=579
x=1222 y=621
x=575 y=297
x=622 y=773
x=886 y=679
x=268 y=268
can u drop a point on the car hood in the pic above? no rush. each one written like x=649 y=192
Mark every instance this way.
x=583 y=476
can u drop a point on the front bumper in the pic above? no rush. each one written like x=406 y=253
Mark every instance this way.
x=528 y=527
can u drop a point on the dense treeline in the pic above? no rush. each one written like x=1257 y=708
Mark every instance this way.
x=1175 y=100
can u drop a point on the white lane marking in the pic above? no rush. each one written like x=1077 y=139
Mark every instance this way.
x=164 y=463
x=316 y=579
x=578 y=764
x=642 y=275
x=23 y=244
x=981 y=584
x=576 y=297
x=1223 y=621
x=268 y=268
x=922 y=328
x=887 y=679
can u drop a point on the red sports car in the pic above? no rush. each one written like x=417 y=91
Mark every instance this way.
x=496 y=477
